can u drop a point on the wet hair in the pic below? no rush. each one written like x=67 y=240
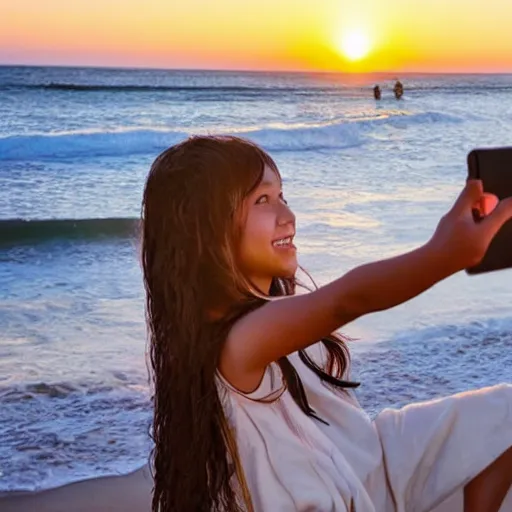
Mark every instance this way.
x=193 y=194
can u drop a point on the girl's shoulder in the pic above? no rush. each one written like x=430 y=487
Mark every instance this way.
x=270 y=388
x=272 y=384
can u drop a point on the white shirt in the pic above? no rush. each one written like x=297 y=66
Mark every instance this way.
x=406 y=460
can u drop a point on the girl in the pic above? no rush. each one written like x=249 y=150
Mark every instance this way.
x=253 y=407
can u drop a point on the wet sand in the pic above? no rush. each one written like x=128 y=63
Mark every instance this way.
x=127 y=493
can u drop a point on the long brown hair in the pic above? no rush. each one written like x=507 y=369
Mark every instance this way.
x=192 y=196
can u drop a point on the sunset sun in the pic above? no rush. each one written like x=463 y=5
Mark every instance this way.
x=355 y=44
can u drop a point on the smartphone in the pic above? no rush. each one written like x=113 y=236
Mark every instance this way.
x=494 y=167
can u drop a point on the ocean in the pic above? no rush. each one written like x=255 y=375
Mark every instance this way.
x=366 y=179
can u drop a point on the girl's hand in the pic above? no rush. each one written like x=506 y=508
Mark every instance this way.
x=462 y=239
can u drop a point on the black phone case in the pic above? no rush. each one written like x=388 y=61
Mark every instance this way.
x=494 y=167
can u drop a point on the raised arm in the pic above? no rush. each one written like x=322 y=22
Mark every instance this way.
x=290 y=324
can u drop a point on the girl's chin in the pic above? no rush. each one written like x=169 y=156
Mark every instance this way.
x=288 y=273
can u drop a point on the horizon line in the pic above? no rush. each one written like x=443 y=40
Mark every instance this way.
x=256 y=71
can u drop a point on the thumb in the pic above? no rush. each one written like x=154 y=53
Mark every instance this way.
x=499 y=216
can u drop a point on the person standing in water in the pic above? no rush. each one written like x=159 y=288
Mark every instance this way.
x=398 y=89
x=254 y=408
x=377 y=92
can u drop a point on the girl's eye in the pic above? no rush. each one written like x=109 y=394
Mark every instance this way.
x=266 y=199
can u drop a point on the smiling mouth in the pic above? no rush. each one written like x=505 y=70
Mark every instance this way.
x=284 y=243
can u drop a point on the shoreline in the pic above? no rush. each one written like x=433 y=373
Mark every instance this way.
x=124 y=493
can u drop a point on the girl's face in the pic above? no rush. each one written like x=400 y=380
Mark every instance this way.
x=266 y=248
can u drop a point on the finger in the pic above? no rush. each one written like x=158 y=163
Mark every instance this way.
x=469 y=196
x=484 y=206
x=488 y=203
x=501 y=214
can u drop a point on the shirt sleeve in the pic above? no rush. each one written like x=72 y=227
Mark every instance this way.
x=434 y=448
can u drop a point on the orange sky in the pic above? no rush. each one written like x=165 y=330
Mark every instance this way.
x=404 y=35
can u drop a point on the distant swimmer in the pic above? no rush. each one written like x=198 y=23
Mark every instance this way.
x=376 y=92
x=398 y=90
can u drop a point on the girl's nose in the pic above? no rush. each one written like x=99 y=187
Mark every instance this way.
x=286 y=216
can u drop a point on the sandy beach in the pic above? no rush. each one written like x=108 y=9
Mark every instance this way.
x=127 y=493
